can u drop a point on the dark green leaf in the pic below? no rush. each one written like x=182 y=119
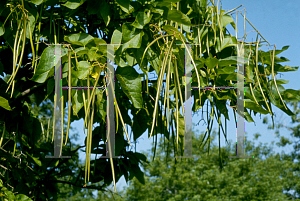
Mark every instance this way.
x=141 y=20
x=140 y=121
x=131 y=37
x=105 y=12
x=138 y=173
x=130 y=82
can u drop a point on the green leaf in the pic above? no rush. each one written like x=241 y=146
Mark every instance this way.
x=93 y=6
x=73 y=4
x=287 y=68
x=141 y=20
x=138 y=173
x=80 y=39
x=178 y=16
x=83 y=69
x=56 y=163
x=30 y=23
x=165 y=3
x=96 y=42
x=21 y=197
x=77 y=100
x=4 y=103
x=117 y=37
x=2 y=29
x=131 y=37
x=282 y=81
x=225 y=20
x=105 y=12
x=125 y=5
x=131 y=84
x=36 y=160
x=120 y=142
x=140 y=121
x=101 y=106
x=81 y=50
x=291 y=95
x=1 y=69
x=227 y=41
x=94 y=54
x=211 y=62
x=140 y=156
x=9 y=195
x=226 y=70
x=232 y=60
x=247 y=116
x=36 y=2
x=157 y=10
x=45 y=68
x=253 y=106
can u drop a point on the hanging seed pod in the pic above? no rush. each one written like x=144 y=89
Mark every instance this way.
x=69 y=96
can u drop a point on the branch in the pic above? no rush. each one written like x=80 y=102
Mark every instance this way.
x=28 y=92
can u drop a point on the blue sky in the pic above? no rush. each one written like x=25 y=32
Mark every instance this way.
x=278 y=22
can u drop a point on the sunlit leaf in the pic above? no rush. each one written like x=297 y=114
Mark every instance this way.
x=4 y=103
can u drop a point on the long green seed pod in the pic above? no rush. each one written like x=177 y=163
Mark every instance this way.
x=69 y=96
x=48 y=129
x=1 y=140
x=55 y=97
x=62 y=122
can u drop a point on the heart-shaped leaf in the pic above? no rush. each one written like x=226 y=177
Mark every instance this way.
x=45 y=68
x=80 y=39
x=131 y=84
x=141 y=20
x=178 y=16
x=105 y=12
x=131 y=37
x=83 y=69
x=117 y=37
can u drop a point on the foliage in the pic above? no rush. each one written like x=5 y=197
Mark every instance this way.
x=263 y=177
x=148 y=31
x=7 y=195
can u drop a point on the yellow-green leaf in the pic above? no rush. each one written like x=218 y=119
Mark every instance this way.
x=4 y=103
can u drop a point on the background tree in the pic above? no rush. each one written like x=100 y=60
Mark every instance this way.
x=265 y=177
